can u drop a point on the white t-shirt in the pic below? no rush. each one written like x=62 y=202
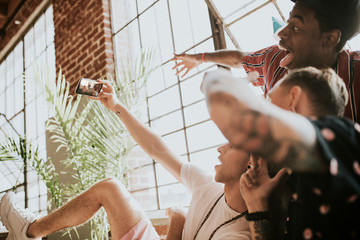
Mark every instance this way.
x=205 y=191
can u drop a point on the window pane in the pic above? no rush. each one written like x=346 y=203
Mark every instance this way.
x=176 y=142
x=200 y=23
x=39 y=29
x=169 y=74
x=2 y=80
x=29 y=48
x=2 y=102
x=204 y=135
x=146 y=198
x=11 y=174
x=196 y=113
x=262 y=22
x=207 y=159
x=155 y=83
x=137 y=157
x=127 y=44
x=167 y=123
x=123 y=11
x=31 y=124
x=164 y=102
x=142 y=178
x=18 y=123
x=41 y=144
x=173 y=195
x=33 y=191
x=143 y=4
x=163 y=175
x=49 y=26
x=9 y=69
x=180 y=19
x=19 y=60
x=19 y=94
x=190 y=90
x=30 y=89
x=354 y=43
x=10 y=101
x=161 y=32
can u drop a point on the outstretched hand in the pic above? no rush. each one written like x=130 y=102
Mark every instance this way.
x=107 y=96
x=256 y=185
x=186 y=61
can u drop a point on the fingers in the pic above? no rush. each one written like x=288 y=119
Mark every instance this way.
x=246 y=181
x=178 y=64
x=175 y=57
x=280 y=175
x=108 y=87
x=186 y=72
x=178 y=72
x=94 y=98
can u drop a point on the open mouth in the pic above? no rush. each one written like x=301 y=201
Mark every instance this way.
x=287 y=59
x=289 y=55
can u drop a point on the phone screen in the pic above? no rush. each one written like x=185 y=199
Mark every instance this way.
x=89 y=87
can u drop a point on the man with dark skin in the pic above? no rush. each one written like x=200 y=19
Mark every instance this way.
x=315 y=35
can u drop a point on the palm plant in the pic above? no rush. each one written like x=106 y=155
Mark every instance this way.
x=95 y=141
x=21 y=150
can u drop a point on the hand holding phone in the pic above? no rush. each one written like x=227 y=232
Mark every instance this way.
x=88 y=87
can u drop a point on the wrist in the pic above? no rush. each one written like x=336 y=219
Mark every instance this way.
x=117 y=108
x=203 y=57
x=257 y=216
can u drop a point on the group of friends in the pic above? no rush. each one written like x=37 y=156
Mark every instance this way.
x=291 y=167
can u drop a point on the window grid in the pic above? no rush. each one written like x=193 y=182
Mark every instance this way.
x=29 y=187
x=177 y=116
x=175 y=87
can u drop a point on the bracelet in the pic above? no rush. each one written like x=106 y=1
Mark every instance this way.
x=257 y=216
x=203 y=57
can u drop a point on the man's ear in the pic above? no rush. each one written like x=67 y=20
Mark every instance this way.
x=295 y=95
x=331 y=38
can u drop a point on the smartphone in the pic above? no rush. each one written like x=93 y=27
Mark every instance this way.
x=89 y=87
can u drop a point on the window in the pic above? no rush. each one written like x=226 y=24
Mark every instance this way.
x=175 y=107
x=23 y=108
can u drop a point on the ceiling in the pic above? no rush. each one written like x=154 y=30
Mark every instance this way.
x=8 y=10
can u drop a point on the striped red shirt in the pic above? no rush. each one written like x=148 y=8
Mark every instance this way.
x=267 y=63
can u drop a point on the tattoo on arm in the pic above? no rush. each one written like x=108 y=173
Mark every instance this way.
x=251 y=130
x=262 y=230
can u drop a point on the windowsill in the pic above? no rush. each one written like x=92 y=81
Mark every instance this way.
x=158 y=217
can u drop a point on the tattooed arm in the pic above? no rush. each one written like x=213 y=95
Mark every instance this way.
x=261 y=230
x=257 y=126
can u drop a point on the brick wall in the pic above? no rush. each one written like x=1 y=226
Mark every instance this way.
x=83 y=44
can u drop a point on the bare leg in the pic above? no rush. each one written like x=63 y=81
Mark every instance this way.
x=122 y=210
x=177 y=221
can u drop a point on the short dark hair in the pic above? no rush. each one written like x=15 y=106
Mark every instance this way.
x=348 y=28
x=324 y=88
x=343 y=15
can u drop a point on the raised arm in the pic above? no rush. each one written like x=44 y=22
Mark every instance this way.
x=229 y=58
x=151 y=143
x=256 y=187
x=257 y=126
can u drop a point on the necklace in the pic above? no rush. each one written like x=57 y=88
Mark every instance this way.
x=224 y=223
